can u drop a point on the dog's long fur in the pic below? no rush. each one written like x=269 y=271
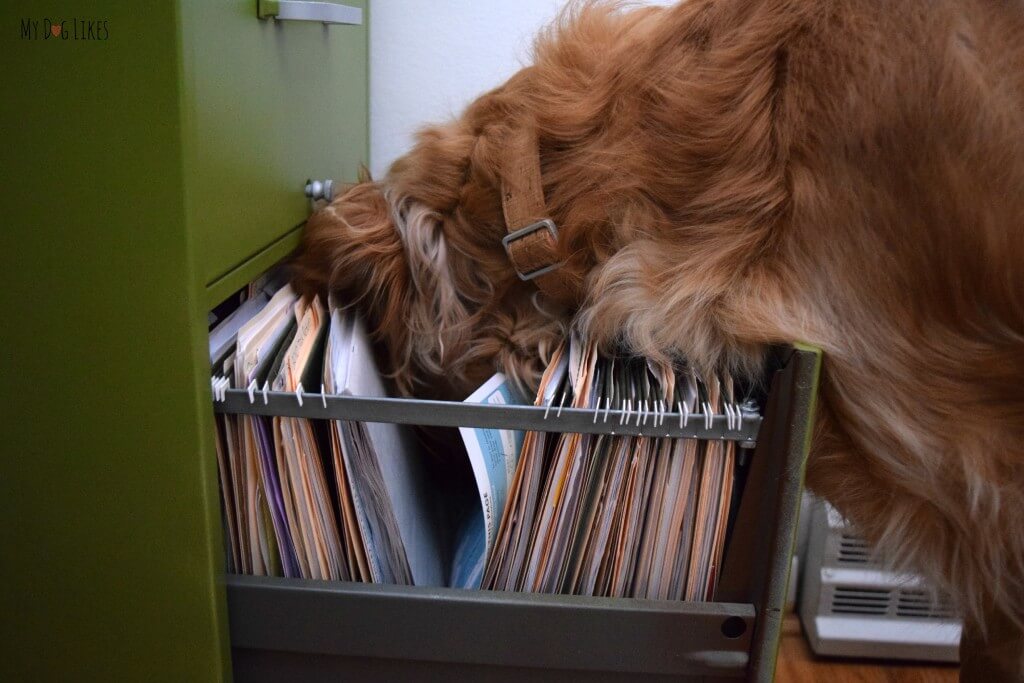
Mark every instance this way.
x=730 y=174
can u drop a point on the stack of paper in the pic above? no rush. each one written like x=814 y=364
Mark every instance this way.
x=508 y=552
x=307 y=498
x=312 y=534
x=606 y=515
x=255 y=531
x=619 y=516
x=388 y=508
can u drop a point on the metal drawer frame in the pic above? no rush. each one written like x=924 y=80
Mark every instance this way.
x=313 y=630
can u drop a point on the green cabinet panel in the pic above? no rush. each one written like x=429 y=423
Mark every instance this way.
x=109 y=537
x=150 y=149
x=267 y=104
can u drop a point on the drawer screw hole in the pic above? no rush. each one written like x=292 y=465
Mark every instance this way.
x=734 y=627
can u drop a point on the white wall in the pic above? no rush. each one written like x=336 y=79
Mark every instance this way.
x=430 y=58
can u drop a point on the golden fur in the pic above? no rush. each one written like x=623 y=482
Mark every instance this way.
x=731 y=174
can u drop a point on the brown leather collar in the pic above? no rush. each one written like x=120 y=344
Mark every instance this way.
x=532 y=239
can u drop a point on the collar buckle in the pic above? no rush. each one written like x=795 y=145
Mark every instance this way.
x=510 y=242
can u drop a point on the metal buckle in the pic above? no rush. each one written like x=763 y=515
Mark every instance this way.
x=507 y=240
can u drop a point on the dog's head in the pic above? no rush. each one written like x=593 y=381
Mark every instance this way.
x=421 y=253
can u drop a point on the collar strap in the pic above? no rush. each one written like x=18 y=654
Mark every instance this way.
x=532 y=239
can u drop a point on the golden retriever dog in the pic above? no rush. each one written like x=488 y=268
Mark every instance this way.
x=723 y=176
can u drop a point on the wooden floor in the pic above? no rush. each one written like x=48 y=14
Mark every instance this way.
x=797 y=664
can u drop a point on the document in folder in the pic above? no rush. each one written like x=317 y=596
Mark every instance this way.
x=508 y=551
x=493 y=455
x=617 y=515
x=313 y=531
x=309 y=498
x=257 y=342
x=394 y=506
x=242 y=347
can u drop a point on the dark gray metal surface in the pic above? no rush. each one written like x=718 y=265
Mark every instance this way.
x=265 y=666
x=797 y=407
x=760 y=551
x=453 y=414
x=518 y=630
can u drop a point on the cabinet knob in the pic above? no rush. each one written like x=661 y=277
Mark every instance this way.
x=320 y=189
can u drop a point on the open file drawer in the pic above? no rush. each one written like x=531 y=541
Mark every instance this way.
x=286 y=629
